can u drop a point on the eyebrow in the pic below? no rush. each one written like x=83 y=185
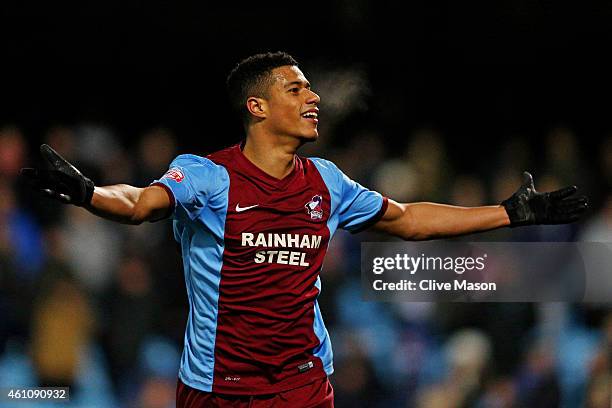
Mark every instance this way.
x=298 y=83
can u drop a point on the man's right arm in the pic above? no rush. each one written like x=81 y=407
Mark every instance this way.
x=130 y=205
x=122 y=203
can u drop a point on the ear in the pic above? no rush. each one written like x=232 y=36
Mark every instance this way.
x=257 y=107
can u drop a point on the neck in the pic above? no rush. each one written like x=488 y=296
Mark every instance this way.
x=271 y=153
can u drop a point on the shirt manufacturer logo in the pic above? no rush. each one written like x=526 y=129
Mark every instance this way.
x=241 y=209
x=314 y=207
x=305 y=367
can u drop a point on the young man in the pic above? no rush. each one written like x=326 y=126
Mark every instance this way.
x=254 y=222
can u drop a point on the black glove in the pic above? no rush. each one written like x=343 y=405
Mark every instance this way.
x=64 y=182
x=527 y=206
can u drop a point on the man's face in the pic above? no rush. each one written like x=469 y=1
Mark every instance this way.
x=291 y=105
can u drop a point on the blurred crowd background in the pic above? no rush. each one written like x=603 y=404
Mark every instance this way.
x=420 y=101
x=101 y=307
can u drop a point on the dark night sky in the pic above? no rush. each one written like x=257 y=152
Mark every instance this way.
x=476 y=71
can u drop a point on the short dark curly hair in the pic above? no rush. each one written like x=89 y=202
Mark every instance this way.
x=251 y=77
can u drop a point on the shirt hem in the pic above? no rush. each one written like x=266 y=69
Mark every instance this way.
x=199 y=385
x=271 y=389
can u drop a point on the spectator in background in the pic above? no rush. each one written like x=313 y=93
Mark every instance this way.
x=131 y=310
x=538 y=385
x=468 y=191
x=362 y=169
x=562 y=155
x=426 y=152
x=20 y=235
x=599 y=227
x=12 y=152
x=513 y=156
x=356 y=381
x=599 y=389
x=397 y=178
x=499 y=392
x=156 y=393
x=156 y=149
x=469 y=354
x=437 y=396
x=93 y=248
x=64 y=139
x=62 y=326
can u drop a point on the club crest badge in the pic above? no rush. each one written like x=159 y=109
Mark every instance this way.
x=314 y=207
x=174 y=174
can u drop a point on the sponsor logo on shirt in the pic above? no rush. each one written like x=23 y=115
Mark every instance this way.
x=314 y=208
x=284 y=241
x=174 y=174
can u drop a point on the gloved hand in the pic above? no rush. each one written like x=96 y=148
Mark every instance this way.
x=63 y=182
x=526 y=206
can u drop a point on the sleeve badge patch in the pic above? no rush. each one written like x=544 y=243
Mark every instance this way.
x=174 y=174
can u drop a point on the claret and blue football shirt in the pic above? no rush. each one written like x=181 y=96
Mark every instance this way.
x=253 y=248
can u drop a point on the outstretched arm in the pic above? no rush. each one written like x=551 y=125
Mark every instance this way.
x=130 y=205
x=419 y=221
x=122 y=203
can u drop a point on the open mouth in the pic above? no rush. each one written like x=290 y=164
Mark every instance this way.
x=311 y=115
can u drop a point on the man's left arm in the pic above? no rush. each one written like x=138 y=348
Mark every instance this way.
x=420 y=221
